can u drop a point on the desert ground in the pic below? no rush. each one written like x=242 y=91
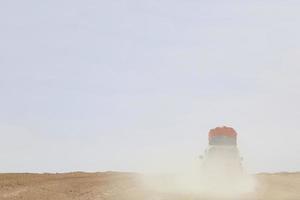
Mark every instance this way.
x=124 y=186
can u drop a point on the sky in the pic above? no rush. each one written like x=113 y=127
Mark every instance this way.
x=132 y=85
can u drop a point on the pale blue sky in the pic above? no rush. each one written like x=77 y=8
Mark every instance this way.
x=112 y=85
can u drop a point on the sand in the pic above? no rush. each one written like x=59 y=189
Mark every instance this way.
x=124 y=186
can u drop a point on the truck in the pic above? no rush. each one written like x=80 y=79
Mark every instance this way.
x=221 y=158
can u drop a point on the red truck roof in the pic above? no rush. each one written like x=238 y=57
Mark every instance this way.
x=222 y=131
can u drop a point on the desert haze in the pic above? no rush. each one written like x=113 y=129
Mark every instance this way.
x=149 y=100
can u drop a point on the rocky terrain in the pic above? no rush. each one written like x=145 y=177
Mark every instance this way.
x=124 y=186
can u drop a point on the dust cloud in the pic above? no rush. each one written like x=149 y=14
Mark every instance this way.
x=199 y=180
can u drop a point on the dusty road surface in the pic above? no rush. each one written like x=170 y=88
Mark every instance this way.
x=124 y=186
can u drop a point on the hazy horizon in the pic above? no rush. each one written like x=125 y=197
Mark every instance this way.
x=136 y=85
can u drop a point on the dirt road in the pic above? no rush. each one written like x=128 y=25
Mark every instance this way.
x=122 y=186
